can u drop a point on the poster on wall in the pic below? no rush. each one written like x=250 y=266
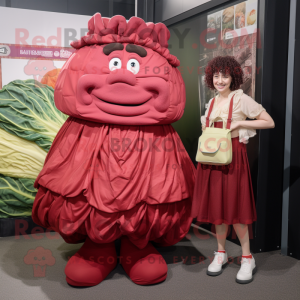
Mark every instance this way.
x=230 y=31
x=31 y=62
x=28 y=51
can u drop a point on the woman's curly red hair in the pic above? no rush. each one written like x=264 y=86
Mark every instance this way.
x=225 y=65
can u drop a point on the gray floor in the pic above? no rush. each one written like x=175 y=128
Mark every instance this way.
x=278 y=277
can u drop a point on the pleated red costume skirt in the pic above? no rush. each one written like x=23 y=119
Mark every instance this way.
x=224 y=194
x=105 y=181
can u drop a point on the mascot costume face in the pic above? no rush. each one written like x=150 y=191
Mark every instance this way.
x=117 y=168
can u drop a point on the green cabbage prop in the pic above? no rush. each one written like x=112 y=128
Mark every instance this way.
x=27 y=110
x=19 y=157
x=29 y=122
x=16 y=196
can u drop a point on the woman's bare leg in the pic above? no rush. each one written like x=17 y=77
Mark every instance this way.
x=221 y=233
x=243 y=235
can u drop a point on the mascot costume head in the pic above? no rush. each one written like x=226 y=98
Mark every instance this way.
x=117 y=169
x=122 y=73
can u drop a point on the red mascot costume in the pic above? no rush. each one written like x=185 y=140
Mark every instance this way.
x=117 y=168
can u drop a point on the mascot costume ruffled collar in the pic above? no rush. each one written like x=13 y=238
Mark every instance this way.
x=117 y=168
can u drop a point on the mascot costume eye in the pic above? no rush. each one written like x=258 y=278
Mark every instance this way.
x=117 y=169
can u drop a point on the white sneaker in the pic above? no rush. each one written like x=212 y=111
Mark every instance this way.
x=215 y=268
x=248 y=268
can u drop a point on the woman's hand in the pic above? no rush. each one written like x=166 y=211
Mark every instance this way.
x=203 y=127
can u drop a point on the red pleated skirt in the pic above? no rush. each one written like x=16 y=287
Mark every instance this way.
x=224 y=194
x=105 y=181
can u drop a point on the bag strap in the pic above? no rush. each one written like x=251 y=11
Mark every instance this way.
x=229 y=114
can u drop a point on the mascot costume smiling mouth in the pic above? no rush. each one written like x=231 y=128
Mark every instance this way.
x=117 y=168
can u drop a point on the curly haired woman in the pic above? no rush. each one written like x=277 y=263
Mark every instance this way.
x=223 y=194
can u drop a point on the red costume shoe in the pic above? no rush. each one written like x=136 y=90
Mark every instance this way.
x=144 y=266
x=91 y=264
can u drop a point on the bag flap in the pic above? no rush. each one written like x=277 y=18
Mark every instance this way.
x=211 y=143
x=209 y=147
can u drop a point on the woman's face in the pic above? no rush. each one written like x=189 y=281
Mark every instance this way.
x=222 y=82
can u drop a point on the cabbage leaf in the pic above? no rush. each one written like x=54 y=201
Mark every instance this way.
x=19 y=157
x=27 y=110
x=16 y=196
